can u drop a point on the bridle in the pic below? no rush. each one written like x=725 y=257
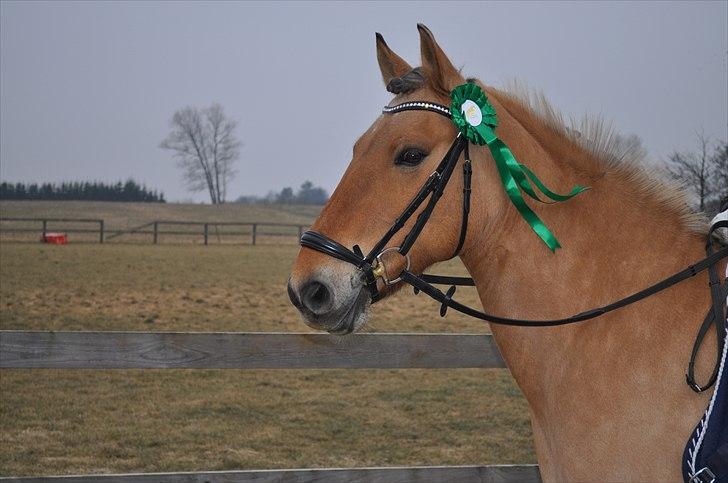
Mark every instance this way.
x=372 y=265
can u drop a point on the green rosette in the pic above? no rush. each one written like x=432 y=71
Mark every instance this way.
x=476 y=119
x=475 y=134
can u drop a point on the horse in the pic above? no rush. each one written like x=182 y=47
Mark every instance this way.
x=607 y=397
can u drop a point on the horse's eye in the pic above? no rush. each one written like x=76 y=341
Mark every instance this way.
x=410 y=157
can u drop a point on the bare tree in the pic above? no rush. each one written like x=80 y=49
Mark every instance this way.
x=695 y=169
x=204 y=143
x=720 y=171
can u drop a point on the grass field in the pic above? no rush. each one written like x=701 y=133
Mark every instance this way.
x=81 y=421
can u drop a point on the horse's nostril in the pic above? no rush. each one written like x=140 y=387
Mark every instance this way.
x=316 y=297
x=293 y=296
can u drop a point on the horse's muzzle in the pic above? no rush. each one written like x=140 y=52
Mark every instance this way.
x=325 y=307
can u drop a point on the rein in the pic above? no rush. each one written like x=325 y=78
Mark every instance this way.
x=372 y=265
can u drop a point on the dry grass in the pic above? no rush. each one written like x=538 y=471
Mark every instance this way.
x=178 y=288
x=163 y=420
x=80 y=421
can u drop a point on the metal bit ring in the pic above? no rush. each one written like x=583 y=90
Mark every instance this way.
x=380 y=270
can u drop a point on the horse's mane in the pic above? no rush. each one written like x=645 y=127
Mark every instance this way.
x=613 y=153
x=623 y=156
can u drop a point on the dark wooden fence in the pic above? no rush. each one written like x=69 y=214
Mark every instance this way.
x=154 y=231
x=47 y=225
x=211 y=229
x=126 y=350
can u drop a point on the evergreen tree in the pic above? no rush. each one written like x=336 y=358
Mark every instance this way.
x=76 y=190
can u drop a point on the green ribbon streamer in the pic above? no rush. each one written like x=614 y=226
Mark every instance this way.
x=513 y=174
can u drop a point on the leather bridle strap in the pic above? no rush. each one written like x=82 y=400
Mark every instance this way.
x=450 y=160
x=467 y=176
x=447 y=301
x=443 y=173
x=445 y=280
x=709 y=321
x=324 y=244
x=715 y=316
x=433 y=188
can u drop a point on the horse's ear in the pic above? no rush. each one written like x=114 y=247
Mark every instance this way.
x=439 y=72
x=391 y=64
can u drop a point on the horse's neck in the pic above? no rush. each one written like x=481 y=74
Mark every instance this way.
x=615 y=242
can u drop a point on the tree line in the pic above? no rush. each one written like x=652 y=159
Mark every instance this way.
x=307 y=194
x=81 y=191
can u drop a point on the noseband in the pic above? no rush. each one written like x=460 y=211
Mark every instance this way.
x=372 y=265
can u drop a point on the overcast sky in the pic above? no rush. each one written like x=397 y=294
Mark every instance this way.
x=87 y=89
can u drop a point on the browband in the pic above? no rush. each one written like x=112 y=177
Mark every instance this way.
x=419 y=106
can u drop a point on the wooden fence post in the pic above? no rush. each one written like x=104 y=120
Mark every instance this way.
x=156 y=231
x=45 y=226
x=300 y=232
x=205 y=231
x=255 y=232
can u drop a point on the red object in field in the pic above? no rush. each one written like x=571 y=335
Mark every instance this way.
x=54 y=238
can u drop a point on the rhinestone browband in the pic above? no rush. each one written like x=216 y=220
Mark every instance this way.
x=418 y=106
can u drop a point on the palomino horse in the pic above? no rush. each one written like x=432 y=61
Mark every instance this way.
x=608 y=398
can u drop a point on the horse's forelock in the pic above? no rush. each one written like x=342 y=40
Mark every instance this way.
x=409 y=82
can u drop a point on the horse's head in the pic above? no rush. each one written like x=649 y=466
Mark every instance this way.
x=390 y=163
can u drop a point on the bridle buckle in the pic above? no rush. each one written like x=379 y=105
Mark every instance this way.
x=380 y=270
